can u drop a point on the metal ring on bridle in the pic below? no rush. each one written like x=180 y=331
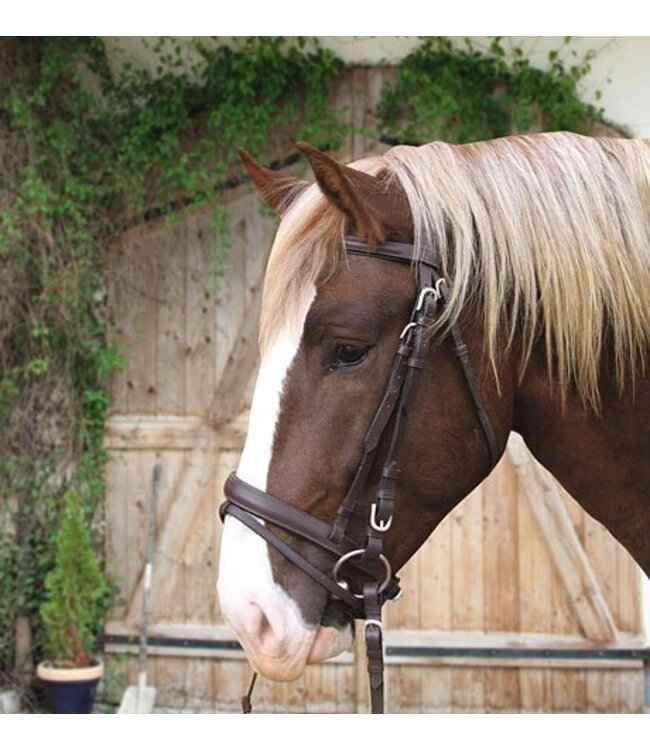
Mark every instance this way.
x=358 y=553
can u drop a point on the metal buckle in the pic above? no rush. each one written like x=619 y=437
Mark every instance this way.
x=379 y=525
x=369 y=622
x=435 y=290
x=406 y=329
x=423 y=295
x=358 y=553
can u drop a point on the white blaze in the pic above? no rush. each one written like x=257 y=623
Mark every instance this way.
x=244 y=566
x=246 y=584
x=256 y=457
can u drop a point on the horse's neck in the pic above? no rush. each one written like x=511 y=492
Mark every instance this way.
x=601 y=460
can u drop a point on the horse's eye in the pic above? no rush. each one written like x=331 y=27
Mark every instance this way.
x=347 y=355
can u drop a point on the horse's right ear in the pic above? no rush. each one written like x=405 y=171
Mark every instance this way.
x=277 y=190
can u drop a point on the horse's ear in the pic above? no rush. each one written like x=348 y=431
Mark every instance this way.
x=277 y=190
x=349 y=189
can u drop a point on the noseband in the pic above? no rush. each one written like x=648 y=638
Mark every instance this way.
x=249 y=504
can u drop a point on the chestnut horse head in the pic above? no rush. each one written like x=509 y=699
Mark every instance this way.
x=544 y=244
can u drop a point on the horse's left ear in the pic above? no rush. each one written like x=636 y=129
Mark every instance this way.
x=349 y=189
x=276 y=189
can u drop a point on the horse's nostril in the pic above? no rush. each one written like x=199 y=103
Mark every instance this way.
x=265 y=633
x=252 y=620
x=259 y=628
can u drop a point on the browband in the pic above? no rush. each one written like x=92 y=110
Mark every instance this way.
x=387 y=250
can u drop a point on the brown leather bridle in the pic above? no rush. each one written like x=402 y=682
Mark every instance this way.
x=249 y=504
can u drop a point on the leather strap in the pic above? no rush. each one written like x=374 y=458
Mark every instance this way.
x=401 y=252
x=371 y=443
x=460 y=350
x=374 y=637
x=270 y=508
x=246 y=701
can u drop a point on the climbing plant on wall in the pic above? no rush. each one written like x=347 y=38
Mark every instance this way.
x=461 y=93
x=90 y=142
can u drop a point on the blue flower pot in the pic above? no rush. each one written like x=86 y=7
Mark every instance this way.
x=69 y=691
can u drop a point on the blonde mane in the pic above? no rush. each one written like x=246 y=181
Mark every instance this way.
x=551 y=232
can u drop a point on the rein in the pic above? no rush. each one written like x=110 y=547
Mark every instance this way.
x=249 y=504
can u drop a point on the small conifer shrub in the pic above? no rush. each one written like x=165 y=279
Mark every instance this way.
x=75 y=592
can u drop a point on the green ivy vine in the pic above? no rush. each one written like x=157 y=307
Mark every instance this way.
x=461 y=93
x=88 y=145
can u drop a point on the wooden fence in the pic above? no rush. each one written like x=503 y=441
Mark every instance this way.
x=518 y=602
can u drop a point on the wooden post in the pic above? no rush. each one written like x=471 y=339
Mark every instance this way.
x=23 y=644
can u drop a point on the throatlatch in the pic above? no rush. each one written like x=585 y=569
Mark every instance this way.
x=249 y=504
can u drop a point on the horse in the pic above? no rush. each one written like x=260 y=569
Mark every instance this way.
x=519 y=297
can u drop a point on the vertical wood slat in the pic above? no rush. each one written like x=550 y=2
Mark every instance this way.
x=467 y=594
x=170 y=675
x=230 y=294
x=601 y=549
x=435 y=614
x=405 y=683
x=361 y=678
x=631 y=695
x=500 y=563
x=171 y=351
x=628 y=584
x=198 y=346
x=198 y=583
x=346 y=694
x=602 y=687
x=117 y=552
x=140 y=321
x=570 y=686
x=534 y=606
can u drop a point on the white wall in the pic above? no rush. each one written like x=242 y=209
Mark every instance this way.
x=624 y=60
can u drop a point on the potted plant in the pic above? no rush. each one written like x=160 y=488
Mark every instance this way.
x=75 y=592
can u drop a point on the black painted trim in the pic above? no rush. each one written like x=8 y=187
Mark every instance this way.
x=618 y=654
x=449 y=652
